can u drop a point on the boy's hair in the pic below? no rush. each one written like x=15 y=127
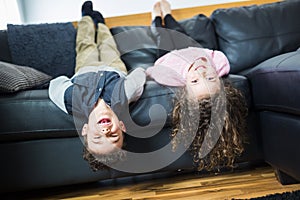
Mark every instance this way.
x=230 y=143
x=103 y=161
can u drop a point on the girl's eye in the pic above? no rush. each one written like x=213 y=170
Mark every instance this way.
x=211 y=78
x=194 y=81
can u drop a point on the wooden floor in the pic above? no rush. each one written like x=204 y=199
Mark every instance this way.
x=243 y=184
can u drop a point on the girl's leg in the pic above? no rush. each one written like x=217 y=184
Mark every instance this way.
x=171 y=23
x=86 y=48
x=157 y=15
x=157 y=22
x=162 y=37
x=178 y=38
x=159 y=33
x=107 y=48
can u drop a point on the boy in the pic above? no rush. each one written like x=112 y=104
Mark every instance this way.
x=98 y=91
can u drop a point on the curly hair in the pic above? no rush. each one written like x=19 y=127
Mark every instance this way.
x=229 y=143
x=99 y=162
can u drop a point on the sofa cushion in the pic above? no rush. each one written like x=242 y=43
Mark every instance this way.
x=49 y=48
x=251 y=34
x=136 y=46
x=31 y=115
x=14 y=78
x=201 y=29
x=275 y=83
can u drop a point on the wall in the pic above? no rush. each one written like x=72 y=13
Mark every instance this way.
x=8 y=13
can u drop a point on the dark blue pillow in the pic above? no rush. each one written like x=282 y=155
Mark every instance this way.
x=49 y=48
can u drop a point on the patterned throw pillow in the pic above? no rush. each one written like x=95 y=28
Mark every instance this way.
x=14 y=78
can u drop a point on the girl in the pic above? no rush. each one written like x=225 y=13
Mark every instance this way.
x=209 y=113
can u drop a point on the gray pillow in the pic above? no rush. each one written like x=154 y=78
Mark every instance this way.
x=14 y=78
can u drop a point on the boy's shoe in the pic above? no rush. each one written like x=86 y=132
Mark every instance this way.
x=87 y=9
x=97 y=18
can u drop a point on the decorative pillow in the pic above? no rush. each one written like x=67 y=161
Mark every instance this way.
x=14 y=78
x=49 y=48
x=249 y=35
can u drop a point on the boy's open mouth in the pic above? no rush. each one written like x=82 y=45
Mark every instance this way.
x=104 y=121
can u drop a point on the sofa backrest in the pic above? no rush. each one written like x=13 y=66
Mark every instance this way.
x=5 y=53
x=247 y=35
x=138 y=47
x=251 y=34
x=50 y=48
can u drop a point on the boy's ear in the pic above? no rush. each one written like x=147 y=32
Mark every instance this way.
x=84 y=130
x=122 y=126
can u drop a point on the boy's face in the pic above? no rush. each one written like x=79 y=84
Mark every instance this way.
x=104 y=131
x=202 y=79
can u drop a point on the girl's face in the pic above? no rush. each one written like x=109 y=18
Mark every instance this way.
x=202 y=80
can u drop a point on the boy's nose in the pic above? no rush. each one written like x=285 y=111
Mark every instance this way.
x=105 y=130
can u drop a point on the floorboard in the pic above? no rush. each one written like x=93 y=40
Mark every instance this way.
x=240 y=184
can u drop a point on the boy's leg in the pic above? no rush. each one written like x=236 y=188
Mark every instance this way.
x=108 y=51
x=86 y=48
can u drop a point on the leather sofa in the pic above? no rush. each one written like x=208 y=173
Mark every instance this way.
x=39 y=144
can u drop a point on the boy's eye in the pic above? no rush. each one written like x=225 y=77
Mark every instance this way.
x=194 y=81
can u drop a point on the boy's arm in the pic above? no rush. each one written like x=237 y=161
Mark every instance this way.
x=134 y=84
x=57 y=89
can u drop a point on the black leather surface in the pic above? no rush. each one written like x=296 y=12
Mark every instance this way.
x=5 y=53
x=30 y=115
x=275 y=83
x=201 y=29
x=281 y=136
x=136 y=46
x=44 y=163
x=251 y=34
